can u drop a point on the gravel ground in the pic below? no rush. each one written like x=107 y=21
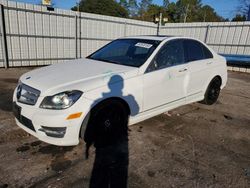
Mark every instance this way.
x=192 y=146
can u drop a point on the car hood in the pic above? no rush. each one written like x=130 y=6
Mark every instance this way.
x=84 y=73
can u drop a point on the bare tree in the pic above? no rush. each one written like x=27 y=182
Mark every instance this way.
x=244 y=8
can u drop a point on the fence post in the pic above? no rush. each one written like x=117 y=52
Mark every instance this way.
x=125 y=28
x=207 y=32
x=4 y=38
x=80 y=34
x=76 y=35
x=159 y=25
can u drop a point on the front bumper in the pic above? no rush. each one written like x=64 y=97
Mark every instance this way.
x=52 y=126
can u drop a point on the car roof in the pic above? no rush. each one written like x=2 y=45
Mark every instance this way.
x=149 y=37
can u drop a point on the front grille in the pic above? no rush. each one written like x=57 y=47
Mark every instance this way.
x=26 y=94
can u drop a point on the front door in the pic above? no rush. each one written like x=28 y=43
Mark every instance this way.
x=165 y=80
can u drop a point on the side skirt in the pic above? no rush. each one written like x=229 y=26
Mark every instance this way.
x=166 y=107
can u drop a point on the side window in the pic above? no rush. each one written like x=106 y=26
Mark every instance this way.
x=170 y=54
x=193 y=50
x=206 y=52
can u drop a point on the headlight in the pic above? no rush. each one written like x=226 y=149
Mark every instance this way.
x=61 y=100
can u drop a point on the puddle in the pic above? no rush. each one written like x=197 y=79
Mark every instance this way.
x=59 y=165
x=151 y=173
x=54 y=150
x=27 y=146
x=58 y=162
x=23 y=148
x=36 y=143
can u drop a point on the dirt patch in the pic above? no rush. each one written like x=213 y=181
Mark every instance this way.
x=10 y=80
x=240 y=76
x=13 y=135
x=6 y=99
x=192 y=146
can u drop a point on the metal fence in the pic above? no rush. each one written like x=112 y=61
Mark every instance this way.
x=33 y=36
x=223 y=37
x=36 y=36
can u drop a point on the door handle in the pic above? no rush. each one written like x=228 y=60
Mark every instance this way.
x=208 y=63
x=183 y=70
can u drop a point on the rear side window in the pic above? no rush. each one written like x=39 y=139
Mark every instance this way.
x=193 y=50
x=206 y=52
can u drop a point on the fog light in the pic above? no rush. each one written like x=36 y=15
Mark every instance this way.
x=57 y=132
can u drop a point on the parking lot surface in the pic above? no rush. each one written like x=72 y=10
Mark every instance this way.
x=192 y=146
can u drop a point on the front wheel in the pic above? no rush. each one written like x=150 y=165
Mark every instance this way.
x=107 y=124
x=212 y=92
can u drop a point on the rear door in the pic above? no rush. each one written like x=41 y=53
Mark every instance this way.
x=199 y=60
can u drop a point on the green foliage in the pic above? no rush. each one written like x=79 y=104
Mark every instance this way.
x=239 y=18
x=152 y=10
x=189 y=10
x=179 y=11
x=143 y=8
x=172 y=12
x=165 y=3
x=124 y=4
x=133 y=8
x=192 y=11
x=105 y=7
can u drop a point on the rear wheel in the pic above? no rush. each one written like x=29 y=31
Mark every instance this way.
x=213 y=92
x=107 y=124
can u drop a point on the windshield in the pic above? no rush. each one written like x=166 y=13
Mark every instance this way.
x=130 y=52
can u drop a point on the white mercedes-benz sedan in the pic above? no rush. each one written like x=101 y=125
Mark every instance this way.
x=126 y=81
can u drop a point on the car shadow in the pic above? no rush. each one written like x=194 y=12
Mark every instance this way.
x=110 y=167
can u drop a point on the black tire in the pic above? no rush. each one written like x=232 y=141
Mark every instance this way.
x=108 y=124
x=212 y=92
